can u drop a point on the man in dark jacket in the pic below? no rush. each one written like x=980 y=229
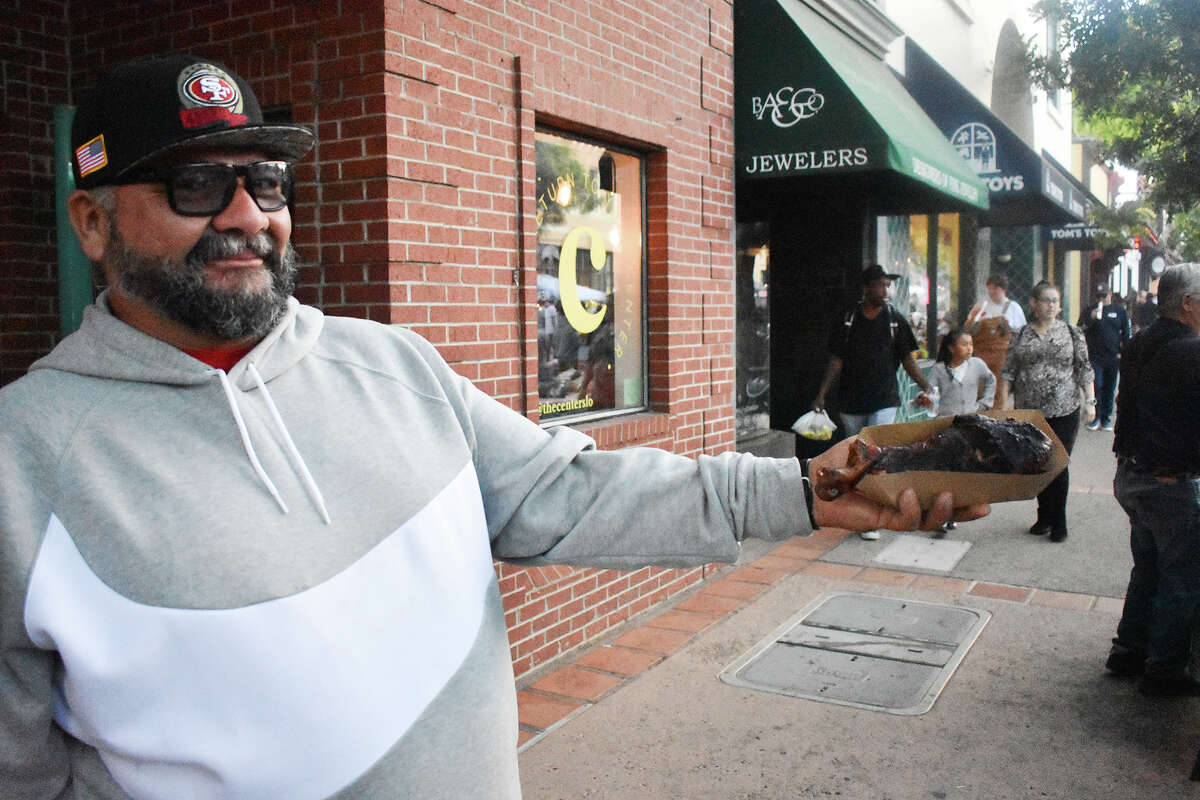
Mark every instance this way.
x=1106 y=326
x=1157 y=444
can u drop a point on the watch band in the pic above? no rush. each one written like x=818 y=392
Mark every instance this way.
x=808 y=492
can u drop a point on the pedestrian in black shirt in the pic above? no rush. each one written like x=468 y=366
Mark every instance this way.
x=1145 y=312
x=1158 y=484
x=1106 y=327
x=866 y=347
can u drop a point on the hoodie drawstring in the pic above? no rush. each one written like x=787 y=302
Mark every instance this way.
x=297 y=461
x=314 y=493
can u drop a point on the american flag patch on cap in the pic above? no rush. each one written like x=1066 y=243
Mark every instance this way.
x=91 y=156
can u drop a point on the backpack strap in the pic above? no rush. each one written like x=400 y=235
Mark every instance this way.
x=893 y=322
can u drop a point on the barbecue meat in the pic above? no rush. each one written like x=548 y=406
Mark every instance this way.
x=971 y=443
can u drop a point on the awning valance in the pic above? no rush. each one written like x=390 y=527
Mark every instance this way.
x=1023 y=187
x=812 y=102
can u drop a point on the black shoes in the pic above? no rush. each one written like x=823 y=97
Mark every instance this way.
x=1131 y=663
x=1127 y=664
x=1057 y=533
x=1180 y=685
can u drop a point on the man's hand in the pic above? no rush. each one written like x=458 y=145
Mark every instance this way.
x=856 y=512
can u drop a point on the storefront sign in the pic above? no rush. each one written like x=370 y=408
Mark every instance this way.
x=1024 y=188
x=788 y=106
x=944 y=180
x=1076 y=232
x=809 y=100
x=976 y=142
x=1077 y=237
x=812 y=160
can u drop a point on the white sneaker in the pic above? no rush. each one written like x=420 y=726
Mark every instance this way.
x=1094 y=425
x=870 y=536
x=1111 y=426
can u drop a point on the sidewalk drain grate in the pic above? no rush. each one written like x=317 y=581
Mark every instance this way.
x=863 y=650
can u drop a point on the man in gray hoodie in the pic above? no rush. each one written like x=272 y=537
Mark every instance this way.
x=211 y=585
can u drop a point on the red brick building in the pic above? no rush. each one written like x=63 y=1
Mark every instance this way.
x=431 y=201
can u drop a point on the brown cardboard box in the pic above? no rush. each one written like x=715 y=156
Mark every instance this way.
x=969 y=488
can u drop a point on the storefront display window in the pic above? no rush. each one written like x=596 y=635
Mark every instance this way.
x=916 y=270
x=590 y=279
x=753 y=337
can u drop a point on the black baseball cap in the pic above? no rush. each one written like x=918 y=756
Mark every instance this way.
x=873 y=273
x=143 y=110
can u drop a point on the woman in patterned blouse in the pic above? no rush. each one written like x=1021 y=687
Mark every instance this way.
x=1045 y=369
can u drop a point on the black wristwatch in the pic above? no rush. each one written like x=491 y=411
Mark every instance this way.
x=808 y=492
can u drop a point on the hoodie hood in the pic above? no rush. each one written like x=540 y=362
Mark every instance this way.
x=106 y=347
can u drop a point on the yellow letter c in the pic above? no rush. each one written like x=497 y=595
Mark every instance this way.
x=579 y=317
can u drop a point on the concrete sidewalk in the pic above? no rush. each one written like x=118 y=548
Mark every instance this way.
x=1029 y=712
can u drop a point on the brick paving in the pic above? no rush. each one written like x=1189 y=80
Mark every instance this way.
x=598 y=671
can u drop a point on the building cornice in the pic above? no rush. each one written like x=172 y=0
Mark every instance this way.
x=861 y=20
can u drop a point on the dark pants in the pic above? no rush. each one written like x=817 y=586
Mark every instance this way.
x=1106 y=387
x=1163 y=598
x=1052 y=502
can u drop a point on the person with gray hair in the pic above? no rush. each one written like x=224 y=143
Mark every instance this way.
x=1157 y=443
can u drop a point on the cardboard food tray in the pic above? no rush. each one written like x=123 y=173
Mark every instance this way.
x=969 y=488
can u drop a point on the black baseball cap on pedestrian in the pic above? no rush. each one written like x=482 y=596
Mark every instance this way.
x=143 y=110
x=873 y=273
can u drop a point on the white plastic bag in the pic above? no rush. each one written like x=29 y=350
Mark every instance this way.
x=814 y=425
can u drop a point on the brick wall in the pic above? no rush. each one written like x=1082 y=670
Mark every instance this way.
x=34 y=77
x=417 y=206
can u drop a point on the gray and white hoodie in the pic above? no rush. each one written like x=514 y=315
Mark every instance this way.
x=278 y=582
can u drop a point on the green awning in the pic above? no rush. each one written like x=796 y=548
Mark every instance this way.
x=810 y=101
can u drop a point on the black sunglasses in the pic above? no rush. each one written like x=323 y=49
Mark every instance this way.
x=206 y=189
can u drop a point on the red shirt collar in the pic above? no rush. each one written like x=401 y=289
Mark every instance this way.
x=222 y=358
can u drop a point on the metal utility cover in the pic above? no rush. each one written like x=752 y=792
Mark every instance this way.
x=879 y=653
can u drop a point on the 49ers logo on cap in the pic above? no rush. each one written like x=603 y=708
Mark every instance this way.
x=209 y=96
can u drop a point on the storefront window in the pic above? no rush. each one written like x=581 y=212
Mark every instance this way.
x=916 y=271
x=590 y=279
x=752 y=284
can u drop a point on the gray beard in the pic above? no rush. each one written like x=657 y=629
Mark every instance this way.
x=176 y=289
